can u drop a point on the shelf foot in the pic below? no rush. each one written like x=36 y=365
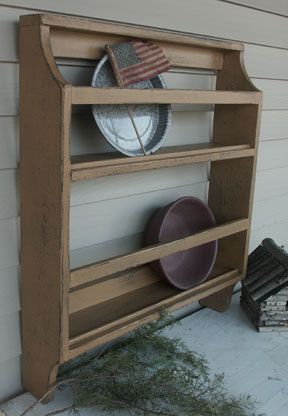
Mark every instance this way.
x=219 y=301
x=38 y=378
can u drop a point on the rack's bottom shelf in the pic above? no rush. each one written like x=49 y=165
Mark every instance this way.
x=107 y=320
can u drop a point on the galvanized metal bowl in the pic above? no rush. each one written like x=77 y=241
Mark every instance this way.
x=152 y=120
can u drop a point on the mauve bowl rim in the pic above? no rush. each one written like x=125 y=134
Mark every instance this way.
x=214 y=243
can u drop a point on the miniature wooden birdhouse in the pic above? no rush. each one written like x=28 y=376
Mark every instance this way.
x=265 y=288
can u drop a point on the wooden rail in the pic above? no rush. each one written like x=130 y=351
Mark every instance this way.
x=94 y=166
x=94 y=271
x=92 y=95
x=83 y=338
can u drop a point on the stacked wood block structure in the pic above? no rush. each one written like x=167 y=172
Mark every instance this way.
x=265 y=289
x=67 y=312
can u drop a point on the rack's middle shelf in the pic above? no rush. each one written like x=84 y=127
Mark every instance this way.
x=96 y=165
x=91 y=95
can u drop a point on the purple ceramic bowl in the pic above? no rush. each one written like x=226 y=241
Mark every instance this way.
x=182 y=218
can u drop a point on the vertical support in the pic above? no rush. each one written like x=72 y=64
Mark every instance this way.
x=220 y=301
x=231 y=184
x=44 y=175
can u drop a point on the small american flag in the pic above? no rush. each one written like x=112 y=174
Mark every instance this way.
x=139 y=61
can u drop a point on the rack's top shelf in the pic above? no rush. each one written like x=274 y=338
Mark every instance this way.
x=58 y=36
x=61 y=22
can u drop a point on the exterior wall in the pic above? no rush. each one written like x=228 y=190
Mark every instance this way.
x=97 y=205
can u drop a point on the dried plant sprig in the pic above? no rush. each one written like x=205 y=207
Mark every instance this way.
x=149 y=374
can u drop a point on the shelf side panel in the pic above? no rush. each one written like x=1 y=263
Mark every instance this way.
x=44 y=187
x=232 y=182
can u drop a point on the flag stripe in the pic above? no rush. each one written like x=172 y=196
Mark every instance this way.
x=144 y=45
x=146 y=55
x=143 y=70
x=147 y=71
x=144 y=77
x=146 y=48
x=136 y=68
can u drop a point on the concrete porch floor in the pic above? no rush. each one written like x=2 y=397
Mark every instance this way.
x=254 y=363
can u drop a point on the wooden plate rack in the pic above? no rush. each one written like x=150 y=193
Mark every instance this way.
x=67 y=312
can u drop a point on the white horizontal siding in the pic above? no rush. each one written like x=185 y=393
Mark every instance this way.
x=134 y=197
x=271 y=183
x=10 y=343
x=9 y=142
x=8 y=194
x=272 y=154
x=110 y=188
x=205 y=17
x=10 y=378
x=277 y=231
x=9 y=245
x=269 y=211
x=9 y=291
x=101 y=221
x=266 y=62
x=274 y=125
x=275 y=91
x=275 y=6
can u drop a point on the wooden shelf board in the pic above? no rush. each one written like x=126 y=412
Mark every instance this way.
x=107 y=320
x=85 y=167
x=77 y=45
x=125 y=29
x=92 y=95
x=94 y=271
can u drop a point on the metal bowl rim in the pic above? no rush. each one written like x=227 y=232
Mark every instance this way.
x=102 y=130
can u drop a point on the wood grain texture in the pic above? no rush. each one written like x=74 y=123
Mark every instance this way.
x=96 y=26
x=43 y=154
x=87 y=296
x=232 y=183
x=91 y=95
x=85 y=167
x=219 y=301
x=88 y=46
